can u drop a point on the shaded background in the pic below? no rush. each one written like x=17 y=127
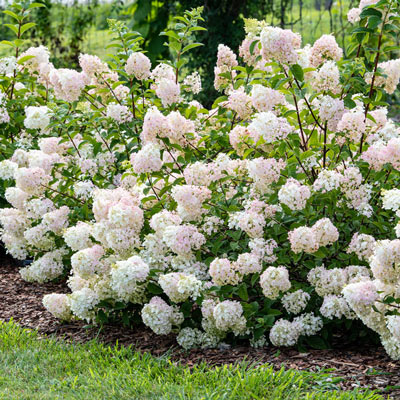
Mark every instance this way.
x=68 y=28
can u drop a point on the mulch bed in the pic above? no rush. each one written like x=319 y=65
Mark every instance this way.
x=359 y=367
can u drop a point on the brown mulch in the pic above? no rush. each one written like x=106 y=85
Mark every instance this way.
x=359 y=367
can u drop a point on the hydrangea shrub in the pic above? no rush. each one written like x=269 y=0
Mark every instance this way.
x=270 y=217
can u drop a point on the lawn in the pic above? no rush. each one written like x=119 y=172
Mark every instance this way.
x=36 y=368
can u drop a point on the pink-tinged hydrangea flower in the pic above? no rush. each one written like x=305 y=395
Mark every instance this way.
x=168 y=91
x=190 y=199
x=238 y=137
x=37 y=117
x=353 y=15
x=52 y=145
x=356 y=193
x=163 y=71
x=67 y=83
x=8 y=169
x=362 y=245
x=331 y=111
x=326 y=78
x=40 y=55
x=303 y=239
x=269 y=127
x=183 y=239
x=138 y=65
x=199 y=174
x=295 y=302
x=119 y=113
x=376 y=156
x=160 y=221
x=228 y=316
x=179 y=286
x=284 y=333
x=160 y=317
x=325 y=232
x=224 y=272
x=147 y=159
x=240 y=102
x=83 y=302
x=335 y=306
x=390 y=77
x=58 y=305
x=265 y=98
x=264 y=172
x=226 y=58
x=44 y=71
x=92 y=65
x=273 y=281
x=78 y=237
x=353 y=124
x=104 y=199
x=13 y=221
x=31 y=180
x=16 y=197
x=56 y=221
x=38 y=159
x=325 y=48
x=192 y=83
x=46 y=268
x=249 y=263
x=126 y=275
x=244 y=51
x=179 y=128
x=251 y=222
x=86 y=262
x=280 y=44
x=125 y=214
x=385 y=261
x=363 y=293
x=294 y=195
x=154 y=124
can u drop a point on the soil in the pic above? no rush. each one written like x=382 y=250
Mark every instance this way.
x=367 y=367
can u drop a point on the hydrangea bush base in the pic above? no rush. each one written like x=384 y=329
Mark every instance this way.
x=269 y=218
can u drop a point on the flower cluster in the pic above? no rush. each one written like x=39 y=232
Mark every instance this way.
x=268 y=215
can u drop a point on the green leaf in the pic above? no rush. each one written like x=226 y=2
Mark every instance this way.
x=36 y=5
x=25 y=58
x=27 y=26
x=191 y=46
x=370 y=11
x=153 y=288
x=297 y=72
x=11 y=14
x=170 y=34
x=252 y=46
x=197 y=28
x=8 y=43
x=373 y=22
x=242 y=292
x=14 y=28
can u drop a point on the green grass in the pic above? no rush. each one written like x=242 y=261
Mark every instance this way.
x=36 y=368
